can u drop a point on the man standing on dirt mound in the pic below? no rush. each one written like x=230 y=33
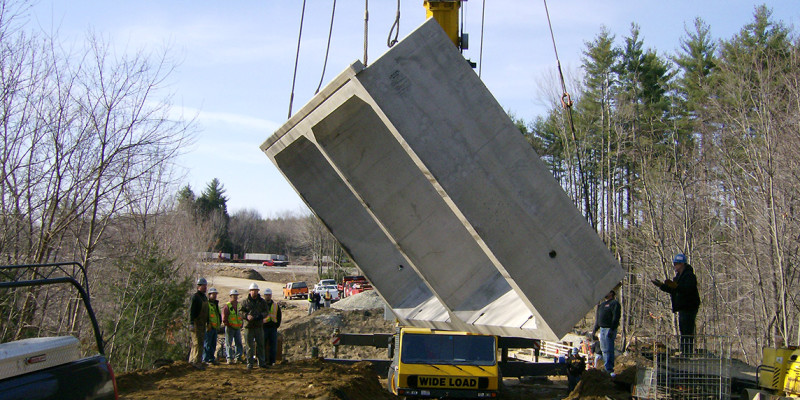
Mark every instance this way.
x=271 y=323
x=214 y=323
x=198 y=318
x=233 y=328
x=254 y=308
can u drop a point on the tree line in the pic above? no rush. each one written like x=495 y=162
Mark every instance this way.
x=693 y=152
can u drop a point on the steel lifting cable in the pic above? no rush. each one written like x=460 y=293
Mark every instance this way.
x=297 y=57
x=566 y=102
x=394 y=29
x=328 y=48
x=480 y=56
x=366 y=29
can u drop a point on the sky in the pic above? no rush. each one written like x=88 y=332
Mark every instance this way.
x=235 y=60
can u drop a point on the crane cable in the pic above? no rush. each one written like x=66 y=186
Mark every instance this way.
x=366 y=29
x=566 y=102
x=480 y=56
x=389 y=41
x=297 y=58
x=328 y=48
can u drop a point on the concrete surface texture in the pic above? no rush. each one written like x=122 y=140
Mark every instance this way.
x=423 y=178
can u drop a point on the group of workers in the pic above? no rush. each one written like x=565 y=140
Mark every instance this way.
x=259 y=316
x=317 y=301
x=685 y=300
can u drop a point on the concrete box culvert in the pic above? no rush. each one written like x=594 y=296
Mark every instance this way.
x=419 y=173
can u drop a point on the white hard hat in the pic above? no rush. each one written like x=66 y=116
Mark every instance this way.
x=212 y=290
x=267 y=291
x=234 y=292
x=253 y=286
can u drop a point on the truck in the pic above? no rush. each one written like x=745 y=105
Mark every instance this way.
x=433 y=363
x=50 y=368
x=295 y=289
x=349 y=278
x=275 y=260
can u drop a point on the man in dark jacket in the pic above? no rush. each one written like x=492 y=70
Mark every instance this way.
x=607 y=321
x=253 y=309
x=198 y=318
x=575 y=367
x=685 y=299
x=272 y=320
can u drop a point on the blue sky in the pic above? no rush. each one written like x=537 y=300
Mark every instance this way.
x=236 y=59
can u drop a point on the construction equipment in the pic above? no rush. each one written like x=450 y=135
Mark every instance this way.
x=430 y=363
x=778 y=374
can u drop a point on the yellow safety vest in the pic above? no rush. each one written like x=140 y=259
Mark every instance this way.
x=234 y=320
x=272 y=312
x=213 y=315
x=328 y=295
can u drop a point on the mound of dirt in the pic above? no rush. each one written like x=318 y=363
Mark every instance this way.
x=300 y=334
x=238 y=272
x=368 y=300
x=290 y=276
x=306 y=379
x=598 y=385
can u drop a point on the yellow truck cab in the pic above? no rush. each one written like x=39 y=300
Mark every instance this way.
x=434 y=363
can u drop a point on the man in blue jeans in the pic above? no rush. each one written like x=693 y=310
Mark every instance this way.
x=607 y=322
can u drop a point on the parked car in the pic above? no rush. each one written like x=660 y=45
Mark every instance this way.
x=324 y=282
x=295 y=290
x=332 y=289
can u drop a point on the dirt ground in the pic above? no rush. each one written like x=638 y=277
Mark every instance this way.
x=307 y=379
x=300 y=377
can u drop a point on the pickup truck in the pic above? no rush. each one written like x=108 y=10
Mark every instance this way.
x=349 y=278
x=295 y=289
x=50 y=368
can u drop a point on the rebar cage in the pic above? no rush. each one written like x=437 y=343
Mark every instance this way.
x=686 y=367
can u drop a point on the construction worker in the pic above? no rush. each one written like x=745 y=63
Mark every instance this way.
x=254 y=308
x=213 y=326
x=607 y=321
x=328 y=297
x=271 y=323
x=312 y=303
x=575 y=367
x=233 y=328
x=198 y=319
x=685 y=299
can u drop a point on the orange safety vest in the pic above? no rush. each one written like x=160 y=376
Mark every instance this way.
x=214 y=317
x=234 y=320
x=272 y=312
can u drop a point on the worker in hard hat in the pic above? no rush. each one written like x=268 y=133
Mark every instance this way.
x=685 y=299
x=198 y=319
x=271 y=323
x=253 y=311
x=212 y=328
x=233 y=328
x=575 y=367
x=312 y=303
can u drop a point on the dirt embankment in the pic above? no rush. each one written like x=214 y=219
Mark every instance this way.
x=307 y=379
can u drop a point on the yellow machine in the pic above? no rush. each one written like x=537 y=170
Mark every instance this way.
x=778 y=374
x=431 y=363
x=446 y=14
